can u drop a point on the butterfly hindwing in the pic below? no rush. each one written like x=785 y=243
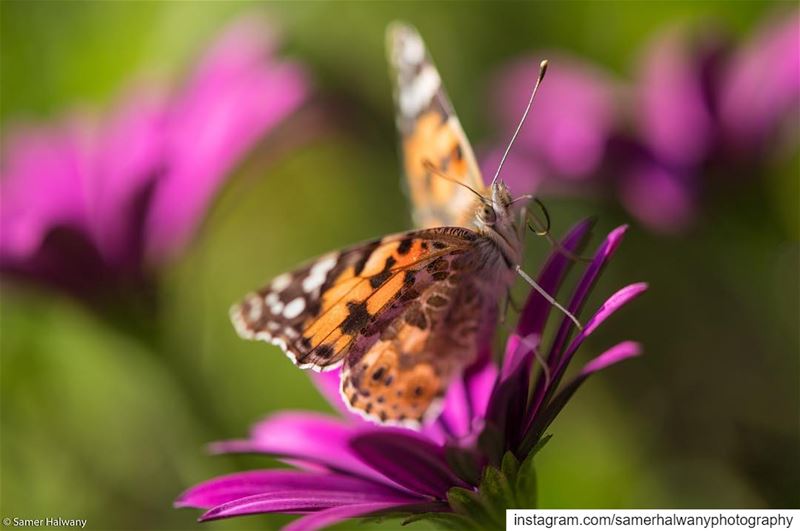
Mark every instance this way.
x=430 y=133
x=402 y=374
x=317 y=313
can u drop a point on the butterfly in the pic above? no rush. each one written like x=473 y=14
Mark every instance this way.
x=404 y=314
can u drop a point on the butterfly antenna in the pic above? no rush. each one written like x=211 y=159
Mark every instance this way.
x=548 y=297
x=542 y=71
x=439 y=173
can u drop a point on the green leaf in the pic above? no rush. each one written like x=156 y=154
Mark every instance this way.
x=446 y=520
x=526 y=490
x=510 y=467
x=469 y=504
x=496 y=494
x=540 y=444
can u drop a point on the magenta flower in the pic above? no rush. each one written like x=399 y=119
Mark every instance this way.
x=89 y=205
x=475 y=460
x=760 y=87
x=575 y=113
x=695 y=107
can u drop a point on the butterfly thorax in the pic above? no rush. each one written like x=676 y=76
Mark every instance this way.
x=497 y=219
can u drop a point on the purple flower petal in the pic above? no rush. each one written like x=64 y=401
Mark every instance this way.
x=129 y=158
x=534 y=313
x=761 y=87
x=456 y=413
x=522 y=171
x=615 y=354
x=328 y=384
x=35 y=160
x=606 y=310
x=590 y=276
x=542 y=388
x=673 y=117
x=307 y=436
x=480 y=381
x=328 y=517
x=298 y=501
x=573 y=115
x=408 y=458
x=231 y=487
x=658 y=196
x=237 y=96
x=509 y=398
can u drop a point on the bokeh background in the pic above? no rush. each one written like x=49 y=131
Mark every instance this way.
x=107 y=405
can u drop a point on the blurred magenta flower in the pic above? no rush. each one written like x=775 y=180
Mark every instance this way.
x=90 y=205
x=576 y=110
x=475 y=460
x=760 y=87
x=696 y=106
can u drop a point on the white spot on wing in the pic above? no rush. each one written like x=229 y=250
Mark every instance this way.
x=413 y=51
x=281 y=282
x=318 y=273
x=417 y=95
x=294 y=308
x=256 y=309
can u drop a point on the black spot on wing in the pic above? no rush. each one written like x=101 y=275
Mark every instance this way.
x=378 y=280
x=405 y=246
x=324 y=351
x=357 y=318
x=366 y=252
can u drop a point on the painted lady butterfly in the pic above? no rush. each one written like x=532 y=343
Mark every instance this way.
x=404 y=314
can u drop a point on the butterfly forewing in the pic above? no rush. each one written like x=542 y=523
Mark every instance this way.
x=430 y=133
x=317 y=313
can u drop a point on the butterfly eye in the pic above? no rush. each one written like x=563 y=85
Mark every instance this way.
x=488 y=214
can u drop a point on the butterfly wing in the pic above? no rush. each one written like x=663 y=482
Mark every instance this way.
x=342 y=300
x=400 y=377
x=430 y=133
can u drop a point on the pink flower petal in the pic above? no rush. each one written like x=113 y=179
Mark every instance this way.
x=534 y=313
x=237 y=96
x=297 y=501
x=328 y=517
x=572 y=117
x=231 y=487
x=307 y=436
x=658 y=197
x=761 y=87
x=615 y=354
x=328 y=384
x=671 y=111
x=408 y=458
x=43 y=184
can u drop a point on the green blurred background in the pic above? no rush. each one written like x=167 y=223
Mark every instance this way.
x=99 y=425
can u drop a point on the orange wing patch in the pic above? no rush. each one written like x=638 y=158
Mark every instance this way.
x=430 y=131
